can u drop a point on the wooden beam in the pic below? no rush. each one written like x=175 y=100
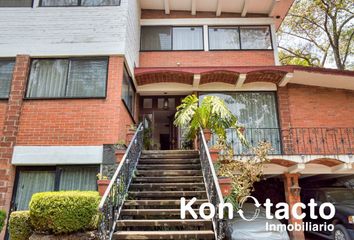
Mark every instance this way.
x=219 y=8
x=241 y=79
x=196 y=81
x=298 y=168
x=342 y=167
x=286 y=79
x=194 y=7
x=167 y=6
x=272 y=7
x=244 y=8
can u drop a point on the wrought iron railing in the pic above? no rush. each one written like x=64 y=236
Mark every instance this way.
x=295 y=141
x=212 y=186
x=113 y=199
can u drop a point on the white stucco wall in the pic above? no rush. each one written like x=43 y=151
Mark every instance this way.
x=70 y=31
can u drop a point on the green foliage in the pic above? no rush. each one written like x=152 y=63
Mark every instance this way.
x=2 y=219
x=20 y=225
x=318 y=33
x=211 y=113
x=64 y=212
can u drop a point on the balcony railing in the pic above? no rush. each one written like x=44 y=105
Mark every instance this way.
x=296 y=141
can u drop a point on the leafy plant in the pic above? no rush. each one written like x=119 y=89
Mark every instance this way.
x=212 y=113
x=244 y=172
x=120 y=145
x=101 y=177
x=64 y=212
x=20 y=226
x=2 y=219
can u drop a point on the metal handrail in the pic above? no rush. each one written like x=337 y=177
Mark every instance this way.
x=212 y=186
x=114 y=196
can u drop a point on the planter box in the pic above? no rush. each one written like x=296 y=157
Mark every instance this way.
x=74 y=236
x=102 y=186
x=119 y=155
x=214 y=154
x=129 y=137
x=225 y=186
x=207 y=134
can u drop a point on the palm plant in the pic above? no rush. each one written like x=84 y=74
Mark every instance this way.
x=212 y=114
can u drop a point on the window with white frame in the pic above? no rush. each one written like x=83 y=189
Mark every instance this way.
x=16 y=3
x=166 y=38
x=6 y=71
x=73 y=3
x=68 y=78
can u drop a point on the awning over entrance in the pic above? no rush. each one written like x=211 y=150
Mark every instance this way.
x=239 y=78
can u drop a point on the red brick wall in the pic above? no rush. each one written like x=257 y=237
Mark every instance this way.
x=206 y=59
x=320 y=107
x=3 y=105
x=77 y=122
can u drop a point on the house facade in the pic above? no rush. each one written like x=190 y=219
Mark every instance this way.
x=74 y=75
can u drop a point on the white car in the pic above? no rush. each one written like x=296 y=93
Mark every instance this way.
x=240 y=229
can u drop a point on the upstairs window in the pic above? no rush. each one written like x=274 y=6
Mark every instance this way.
x=171 y=38
x=64 y=3
x=16 y=3
x=6 y=70
x=240 y=38
x=128 y=92
x=68 y=78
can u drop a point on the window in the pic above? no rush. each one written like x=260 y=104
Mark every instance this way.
x=63 y=3
x=171 y=38
x=128 y=92
x=257 y=112
x=6 y=69
x=224 y=38
x=32 y=180
x=255 y=37
x=68 y=78
x=16 y=3
x=244 y=37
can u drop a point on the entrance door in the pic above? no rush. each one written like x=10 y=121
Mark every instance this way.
x=157 y=113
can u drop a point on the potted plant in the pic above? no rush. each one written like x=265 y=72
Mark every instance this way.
x=119 y=150
x=225 y=184
x=131 y=129
x=102 y=183
x=211 y=115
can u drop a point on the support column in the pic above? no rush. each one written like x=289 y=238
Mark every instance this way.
x=285 y=120
x=293 y=196
x=10 y=130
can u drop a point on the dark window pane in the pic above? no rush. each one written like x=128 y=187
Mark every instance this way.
x=59 y=3
x=100 y=2
x=224 y=38
x=47 y=78
x=188 y=38
x=128 y=92
x=15 y=3
x=78 y=178
x=87 y=78
x=6 y=70
x=155 y=38
x=255 y=37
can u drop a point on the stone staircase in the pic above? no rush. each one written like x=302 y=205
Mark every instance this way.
x=152 y=207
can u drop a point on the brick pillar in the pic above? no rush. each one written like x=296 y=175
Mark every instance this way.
x=285 y=120
x=10 y=130
x=289 y=181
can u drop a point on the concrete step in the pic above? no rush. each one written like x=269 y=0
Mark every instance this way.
x=169 y=154
x=161 y=213
x=165 y=223
x=167 y=194
x=169 y=161
x=169 y=166
x=203 y=234
x=159 y=173
x=166 y=186
x=158 y=203
x=171 y=179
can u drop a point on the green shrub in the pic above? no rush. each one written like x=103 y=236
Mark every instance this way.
x=64 y=212
x=20 y=226
x=2 y=219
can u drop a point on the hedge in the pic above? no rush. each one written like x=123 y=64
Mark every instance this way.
x=64 y=212
x=2 y=219
x=20 y=226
